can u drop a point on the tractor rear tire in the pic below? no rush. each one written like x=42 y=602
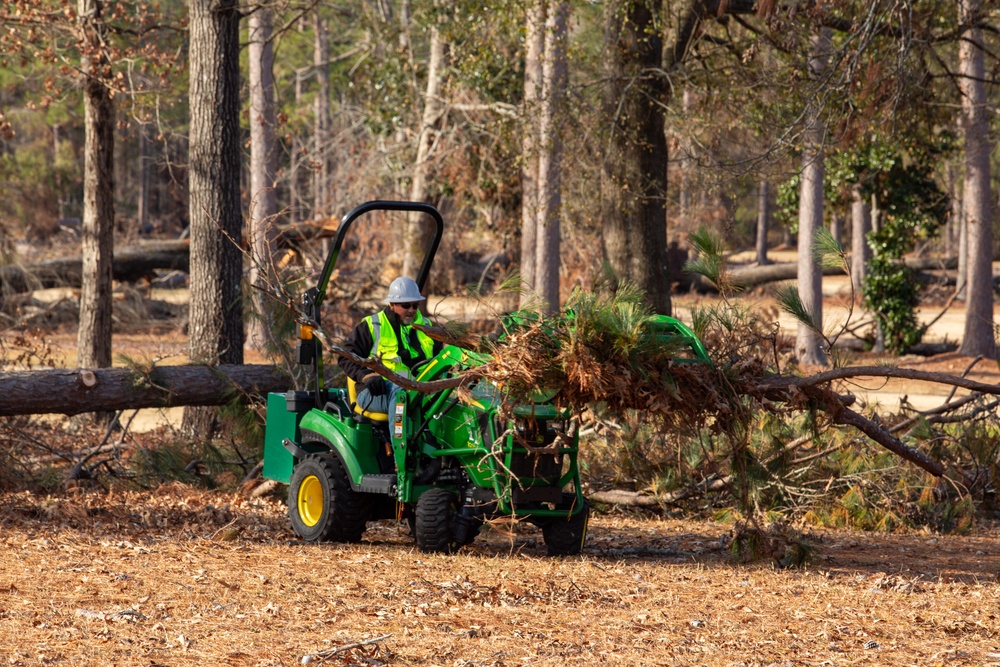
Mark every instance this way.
x=565 y=536
x=321 y=503
x=435 y=521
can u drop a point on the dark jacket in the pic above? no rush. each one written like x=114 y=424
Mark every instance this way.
x=360 y=343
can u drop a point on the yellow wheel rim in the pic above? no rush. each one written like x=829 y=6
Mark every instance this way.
x=311 y=500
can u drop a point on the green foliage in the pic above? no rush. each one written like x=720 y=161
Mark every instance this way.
x=914 y=209
x=789 y=300
x=709 y=260
x=827 y=250
x=787 y=203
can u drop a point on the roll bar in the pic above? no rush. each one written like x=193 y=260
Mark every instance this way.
x=368 y=207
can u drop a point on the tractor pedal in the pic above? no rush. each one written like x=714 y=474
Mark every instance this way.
x=383 y=484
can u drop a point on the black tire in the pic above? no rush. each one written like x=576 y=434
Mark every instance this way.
x=434 y=521
x=565 y=536
x=321 y=503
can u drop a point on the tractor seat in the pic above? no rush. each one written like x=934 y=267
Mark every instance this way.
x=352 y=395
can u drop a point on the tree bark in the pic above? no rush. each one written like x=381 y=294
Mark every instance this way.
x=143 y=199
x=76 y=391
x=808 y=342
x=978 y=338
x=263 y=171
x=321 y=63
x=94 y=333
x=634 y=178
x=534 y=48
x=216 y=320
x=550 y=125
x=763 y=221
x=837 y=228
x=684 y=198
x=860 y=250
x=418 y=229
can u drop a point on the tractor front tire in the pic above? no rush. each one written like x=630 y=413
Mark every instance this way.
x=565 y=536
x=321 y=503
x=433 y=528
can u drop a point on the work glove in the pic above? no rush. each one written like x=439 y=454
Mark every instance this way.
x=375 y=385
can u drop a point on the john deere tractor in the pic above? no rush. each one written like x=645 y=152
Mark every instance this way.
x=443 y=464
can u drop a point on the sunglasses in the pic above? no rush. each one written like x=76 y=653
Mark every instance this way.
x=406 y=306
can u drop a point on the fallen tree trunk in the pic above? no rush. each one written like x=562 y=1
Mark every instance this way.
x=625 y=498
x=129 y=265
x=75 y=391
x=752 y=276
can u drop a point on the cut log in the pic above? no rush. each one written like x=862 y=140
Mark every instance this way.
x=638 y=499
x=129 y=265
x=752 y=276
x=72 y=391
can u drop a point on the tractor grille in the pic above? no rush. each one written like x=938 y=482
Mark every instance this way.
x=538 y=466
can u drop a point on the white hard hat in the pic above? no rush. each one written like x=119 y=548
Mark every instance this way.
x=403 y=290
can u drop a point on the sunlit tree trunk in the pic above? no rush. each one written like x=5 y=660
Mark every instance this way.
x=321 y=130
x=94 y=333
x=861 y=224
x=263 y=170
x=837 y=228
x=534 y=48
x=808 y=342
x=962 y=274
x=763 y=220
x=419 y=229
x=978 y=338
x=554 y=77
x=216 y=310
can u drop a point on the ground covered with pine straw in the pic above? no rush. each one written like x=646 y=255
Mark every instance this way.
x=179 y=576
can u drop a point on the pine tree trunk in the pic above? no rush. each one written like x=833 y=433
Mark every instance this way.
x=554 y=79
x=978 y=338
x=534 y=49
x=951 y=188
x=321 y=135
x=263 y=170
x=145 y=161
x=633 y=184
x=763 y=221
x=419 y=230
x=684 y=198
x=94 y=334
x=808 y=342
x=216 y=311
x=860 y=251
x=297 y=185
x=837 y=228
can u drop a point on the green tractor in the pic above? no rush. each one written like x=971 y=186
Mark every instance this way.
x=443 y=464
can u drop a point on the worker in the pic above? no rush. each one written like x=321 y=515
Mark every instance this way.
x=389 y=336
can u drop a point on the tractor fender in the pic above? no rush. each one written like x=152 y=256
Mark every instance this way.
x=352 y=442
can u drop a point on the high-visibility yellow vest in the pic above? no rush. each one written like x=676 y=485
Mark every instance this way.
x=385 y=345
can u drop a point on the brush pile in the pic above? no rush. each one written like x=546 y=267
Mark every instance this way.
x=606 y=349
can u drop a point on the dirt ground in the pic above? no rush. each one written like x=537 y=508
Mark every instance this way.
x=181 y=577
